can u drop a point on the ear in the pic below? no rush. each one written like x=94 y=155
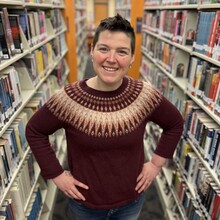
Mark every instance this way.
x=132 y=59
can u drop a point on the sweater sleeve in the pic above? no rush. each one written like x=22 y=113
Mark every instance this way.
x=42 y=124
x=168 y=117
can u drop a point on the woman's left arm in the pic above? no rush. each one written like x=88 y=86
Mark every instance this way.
x=168 y=117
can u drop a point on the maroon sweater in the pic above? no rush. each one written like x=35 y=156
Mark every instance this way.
x=104 y=133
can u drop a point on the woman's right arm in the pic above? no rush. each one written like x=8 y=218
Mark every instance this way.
x=42 y=124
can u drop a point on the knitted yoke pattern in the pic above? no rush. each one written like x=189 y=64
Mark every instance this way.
x=102 y=116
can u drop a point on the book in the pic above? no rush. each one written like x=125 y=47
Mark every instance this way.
x=216 y=89
x=37 y=26
x=3 y=97
x=215 y=43
x=211 y=73
x=10 y=136
x=6 y=53
x=5 y=144
x=24 y=23
x=214 y=30
x=207 y=138
x=194 y=61
x=3 y=174
x=39 y=62
x=205 y=69
x=15 y=29
x=33 y=34
x=216 y=205
x=42 y=24
x=214 y=147
x=190 y=163
x=9 y=37
x=5 y=165
x=15 y=85
x=17 y=204
x=21 y=148
x=9 y=210
x=180 y=64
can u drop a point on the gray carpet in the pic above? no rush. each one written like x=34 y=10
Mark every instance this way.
x=152 y=209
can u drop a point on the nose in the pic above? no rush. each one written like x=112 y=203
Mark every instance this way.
x=111 y=56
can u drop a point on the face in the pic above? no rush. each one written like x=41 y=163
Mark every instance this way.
x=112 y=58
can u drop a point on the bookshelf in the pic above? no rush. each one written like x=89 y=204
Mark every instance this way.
x=81 y=37
x=183 y=63
x=75 y=14
x=28 y=78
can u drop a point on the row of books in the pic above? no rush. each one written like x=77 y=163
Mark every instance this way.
x=188 y=204
x=20 y=190
x=60 y=71
x=10 y=37
x=171 y=205
x=35 y=205
x=10 y=94
x=178 y=26
x=203 y=206
x=26 y=74
x=152 y=136
x=165 y=182
x=34 y=66
x=10 y=85
x=57 y=2
x=208 y=33
x=59 y=45
x=170 y=58
x=187 y=28
x=178 y=2
x=13 y=141
x=32 y=23
x=13 y=147
x=16 y=149
x=162 y=82
x=202 y=192
x=204 y=133
x=203 y=78
x=21 y=26
x=35 y=1
x=188 y=187
x=174 y=25
x=55 y=17
x=204 y=82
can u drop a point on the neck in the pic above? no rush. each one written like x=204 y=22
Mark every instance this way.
x=97 y=84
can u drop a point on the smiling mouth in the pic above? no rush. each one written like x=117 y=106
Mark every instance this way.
x=110 y=69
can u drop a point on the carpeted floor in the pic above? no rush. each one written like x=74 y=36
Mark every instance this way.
x=152 y=208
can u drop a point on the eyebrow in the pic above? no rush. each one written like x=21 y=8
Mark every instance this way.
x=123 y=48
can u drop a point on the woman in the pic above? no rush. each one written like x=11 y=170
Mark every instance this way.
x=104 y=118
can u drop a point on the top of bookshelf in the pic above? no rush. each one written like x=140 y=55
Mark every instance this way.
x=23 y=4
x=186 y=6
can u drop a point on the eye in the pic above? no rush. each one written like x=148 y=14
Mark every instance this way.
x=103 y=49
x=122 y=52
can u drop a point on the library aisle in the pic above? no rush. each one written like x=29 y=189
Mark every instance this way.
x=44 y=44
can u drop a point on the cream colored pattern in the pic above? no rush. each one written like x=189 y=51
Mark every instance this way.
x=105 y=124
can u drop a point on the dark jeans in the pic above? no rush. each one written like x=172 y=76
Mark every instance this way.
x=130 y=211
